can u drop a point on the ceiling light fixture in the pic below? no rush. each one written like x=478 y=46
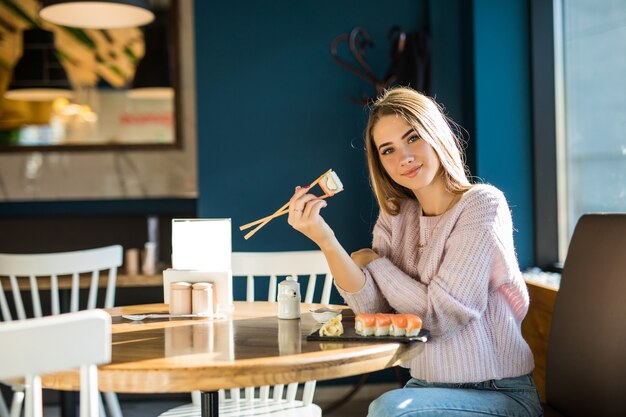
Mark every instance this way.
x=39 y=75
x=102 y=14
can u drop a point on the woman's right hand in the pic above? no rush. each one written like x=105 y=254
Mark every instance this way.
x=304 y=216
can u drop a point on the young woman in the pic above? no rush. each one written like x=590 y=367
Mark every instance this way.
x=442 y=249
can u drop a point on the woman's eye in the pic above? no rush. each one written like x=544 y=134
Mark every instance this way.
x=413 y=138
x=387 y=151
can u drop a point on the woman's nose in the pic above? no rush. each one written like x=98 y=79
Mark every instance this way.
x=406 y=155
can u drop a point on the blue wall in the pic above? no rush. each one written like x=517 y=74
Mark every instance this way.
x=502 y=106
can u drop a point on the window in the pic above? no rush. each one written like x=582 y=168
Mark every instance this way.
x=590 y=52
x=579 y=112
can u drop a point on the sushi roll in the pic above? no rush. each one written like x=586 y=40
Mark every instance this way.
x=383 y=324
x=365 y=324
x=398 y=325
x=331 y=184
x=414 y=325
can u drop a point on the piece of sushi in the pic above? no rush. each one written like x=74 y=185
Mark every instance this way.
x=331 y=184
x=365 y=324
x=413 y=325
x=383 y=324
x=398 y=325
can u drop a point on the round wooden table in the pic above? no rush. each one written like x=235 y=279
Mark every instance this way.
x=251 y=348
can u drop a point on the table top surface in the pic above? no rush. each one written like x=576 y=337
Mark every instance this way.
x=251 y=348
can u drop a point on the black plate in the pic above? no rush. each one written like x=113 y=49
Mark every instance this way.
x=349 y=335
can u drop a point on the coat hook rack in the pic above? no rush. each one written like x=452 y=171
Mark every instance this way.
x=409 y=66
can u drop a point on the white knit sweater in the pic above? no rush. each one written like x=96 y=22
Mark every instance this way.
x=465 y=284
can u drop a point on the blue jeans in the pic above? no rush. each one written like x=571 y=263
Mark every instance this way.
x=507 y=397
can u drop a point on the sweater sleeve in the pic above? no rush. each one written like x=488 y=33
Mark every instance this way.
x=369 y=299
x=458 y=291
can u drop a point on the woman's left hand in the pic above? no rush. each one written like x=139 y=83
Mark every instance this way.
x=364 y=256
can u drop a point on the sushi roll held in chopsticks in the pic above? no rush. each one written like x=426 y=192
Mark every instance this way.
x=331 y=184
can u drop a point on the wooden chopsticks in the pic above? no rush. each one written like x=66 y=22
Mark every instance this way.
x=283 y=210
x=272 y=216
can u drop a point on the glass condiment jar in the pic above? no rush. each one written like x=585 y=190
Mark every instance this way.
x=202 y=298
x=180 y=298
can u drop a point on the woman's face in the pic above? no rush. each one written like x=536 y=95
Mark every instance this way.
x=407 y=158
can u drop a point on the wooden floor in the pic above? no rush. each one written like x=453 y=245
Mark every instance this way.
x=324 y=396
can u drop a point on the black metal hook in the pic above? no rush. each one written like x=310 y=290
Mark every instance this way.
x=358 y=41
x=350 y=67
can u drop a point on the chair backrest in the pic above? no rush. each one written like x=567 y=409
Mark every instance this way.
x=276 y=264
x=586 y=365
x=33 y=347
x=14 y=268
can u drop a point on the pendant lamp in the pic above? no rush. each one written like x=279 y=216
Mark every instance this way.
x=101 y=14
x=38 y=76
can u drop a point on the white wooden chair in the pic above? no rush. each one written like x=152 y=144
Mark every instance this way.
x=41 y=269
x=270 y=401
x=36 y=346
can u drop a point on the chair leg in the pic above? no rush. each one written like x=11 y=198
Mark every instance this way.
x=113 y=404
x=278 y=392
x=101 y=409
x=16 y=403
x=309 y=391
x=249 y=394
x=4 y=411
x=196 y=398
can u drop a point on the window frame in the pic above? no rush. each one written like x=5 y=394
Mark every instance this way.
x=544 y=128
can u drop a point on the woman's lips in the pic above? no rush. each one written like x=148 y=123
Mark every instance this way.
x=412 y=172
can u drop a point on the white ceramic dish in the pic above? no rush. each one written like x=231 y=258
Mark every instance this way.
x=322 y=315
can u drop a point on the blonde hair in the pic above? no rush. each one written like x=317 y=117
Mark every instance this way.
x=427 y=119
